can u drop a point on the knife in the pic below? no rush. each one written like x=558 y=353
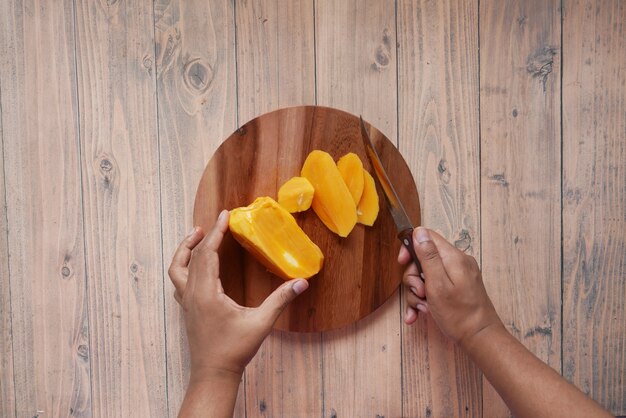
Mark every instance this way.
x=400 y=218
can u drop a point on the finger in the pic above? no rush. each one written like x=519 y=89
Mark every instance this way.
x=178 y=298
x=455 y=261
x=180 y=261
x=410 y=316
x=446 y=248
x=276 y=302
x=427 y=251
x=422 y=307
x=413 y=281
x=413 y=301
x=214 y=238
x=206 y=267
x=403 y=255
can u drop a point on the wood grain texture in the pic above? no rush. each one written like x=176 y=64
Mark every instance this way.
x=43 y=195
x=594 y=199
x=7 y=386
x=275 y=56
x=195 y=65
x=520 y=167
x=356 y=71
x=118 y=133
x=46 y=341
x=438 y=134
x=284 y=378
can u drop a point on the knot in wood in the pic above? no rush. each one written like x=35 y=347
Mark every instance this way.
x=106 y=165
x=134 y=268
x=198 y=75
x=66 y=272
x=464 y=241
x=382 y=55
x=444 y=172
x=499 y=179
x=83 y=352
x=539 y=63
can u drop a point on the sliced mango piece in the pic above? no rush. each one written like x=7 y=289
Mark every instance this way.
x=351 y=169
x=332 y=201
x=367 y=210
x=273 y=237
x=296 y=194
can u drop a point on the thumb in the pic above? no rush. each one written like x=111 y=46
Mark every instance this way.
x=277 y=301
x=435 y=275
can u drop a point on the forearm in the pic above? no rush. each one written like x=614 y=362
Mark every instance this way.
x=529 y=387
x=210 y=396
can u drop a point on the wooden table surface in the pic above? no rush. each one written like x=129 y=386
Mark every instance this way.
x=510 y=114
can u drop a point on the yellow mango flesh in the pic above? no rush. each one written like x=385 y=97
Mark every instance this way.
x=296 y=194
x=332 y=201
x=351 y=169
x=367 y=210
x=271 y=234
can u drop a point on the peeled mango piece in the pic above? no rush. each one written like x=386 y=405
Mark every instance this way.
x=367 y=210
x=351 y=169
x=332 y=201
x=296 y=194
x=271 y=234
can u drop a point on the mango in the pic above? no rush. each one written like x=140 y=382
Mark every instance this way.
x=351 y=169
x=296 y=194
x=367 y=209
x=332 y=201
x=272 y=236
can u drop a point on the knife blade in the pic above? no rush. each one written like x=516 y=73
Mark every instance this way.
x=399 y=215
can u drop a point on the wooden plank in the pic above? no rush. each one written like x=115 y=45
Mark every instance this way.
x=594 y=200
x=284 y=379
x=45 y=241
x=195 y=64
x=438 y=125
x=520 y=170
x=268 y=78
x=356 y=72
x=7 y=389
x=116 y=89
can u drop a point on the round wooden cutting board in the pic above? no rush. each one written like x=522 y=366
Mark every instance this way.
x=360 y=272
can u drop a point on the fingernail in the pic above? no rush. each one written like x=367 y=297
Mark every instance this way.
x=222 y=215
x=300 y=286
x=190 y=233
x=421 y=308
x=422 y=235
x=414 y=290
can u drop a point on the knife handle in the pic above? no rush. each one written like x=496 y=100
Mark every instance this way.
x=406 y=237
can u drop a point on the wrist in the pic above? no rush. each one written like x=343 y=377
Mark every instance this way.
x=210 y=393
x=214 y=375
x=483 y=335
